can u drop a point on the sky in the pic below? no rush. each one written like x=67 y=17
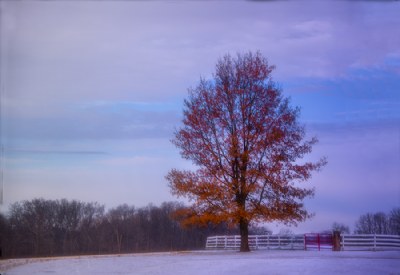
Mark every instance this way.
x=92 y=91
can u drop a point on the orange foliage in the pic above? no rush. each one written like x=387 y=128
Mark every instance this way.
x=246 y=141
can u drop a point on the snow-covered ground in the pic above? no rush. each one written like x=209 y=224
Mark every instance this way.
x=220 y=262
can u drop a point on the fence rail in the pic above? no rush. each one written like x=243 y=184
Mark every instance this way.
x=300 y=242
x=257 y=242
x=370 y=242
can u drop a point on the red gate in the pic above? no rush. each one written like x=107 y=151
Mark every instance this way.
x=318 y=241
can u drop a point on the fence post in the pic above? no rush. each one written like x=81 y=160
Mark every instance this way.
x=291 y=242
x=319 y=242
x=256 y=241
x=279 y=241
x=374 y=242
x=343 y=238
x=336 y=241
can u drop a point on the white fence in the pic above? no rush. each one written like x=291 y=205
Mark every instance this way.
x=297 y=242
x=257 y=242
x=370 y=242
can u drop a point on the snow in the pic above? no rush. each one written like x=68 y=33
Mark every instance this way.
x=219 y=262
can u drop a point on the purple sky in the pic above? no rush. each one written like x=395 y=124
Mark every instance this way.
x=91 y=92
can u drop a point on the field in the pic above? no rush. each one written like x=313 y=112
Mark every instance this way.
x=218 y=262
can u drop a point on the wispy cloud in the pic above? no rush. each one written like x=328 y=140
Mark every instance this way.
x=92 y=91
x=51 y=152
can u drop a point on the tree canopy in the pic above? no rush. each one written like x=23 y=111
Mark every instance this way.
x=246 y=141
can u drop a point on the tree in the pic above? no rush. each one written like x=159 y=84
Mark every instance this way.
x=394 y=221
x=3 y=234
x=342 y=228
x=286 y=231
x=259 y=230
x=33 y=222
x=120 y=220
x=69 y=216
x=369 y=223
x=91 y=215
x=246 y=141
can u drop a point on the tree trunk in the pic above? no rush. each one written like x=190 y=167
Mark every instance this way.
x=244 y=235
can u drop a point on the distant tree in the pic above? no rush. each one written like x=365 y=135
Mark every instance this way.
x=369 y=223
x=3 y=234
x=67 y=218
x=342 y=228
x=381 y=223
x=246 y=141
x=120 y=220
x=92 y=215
x=33 y=222
x=394 y=221
x=259 y=230
x=364 y=224
x=286 y=231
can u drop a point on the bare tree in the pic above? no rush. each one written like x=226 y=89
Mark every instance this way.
x=286 y=231
x=68 y=216
x=259 y=230
x=92 y=215
x=394 y=221
x=121 y=219
x=36 y=219
x=4 y=234
x=342 y=228
x=369 y=223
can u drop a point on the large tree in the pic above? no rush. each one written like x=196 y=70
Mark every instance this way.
x=246 y=142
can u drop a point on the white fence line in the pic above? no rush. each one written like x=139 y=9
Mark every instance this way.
x=257 y=242
x=296 y=242
x=370 y=242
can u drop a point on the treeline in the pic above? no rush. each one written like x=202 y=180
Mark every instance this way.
x=379 y=223
x=42 y=227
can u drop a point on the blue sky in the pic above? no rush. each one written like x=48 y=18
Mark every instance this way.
x=93 y=90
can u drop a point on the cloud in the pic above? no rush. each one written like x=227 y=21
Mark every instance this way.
x=52 y=152
x=96 y=121
x=82 y=78
x=64 y=51
x=106 y=55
